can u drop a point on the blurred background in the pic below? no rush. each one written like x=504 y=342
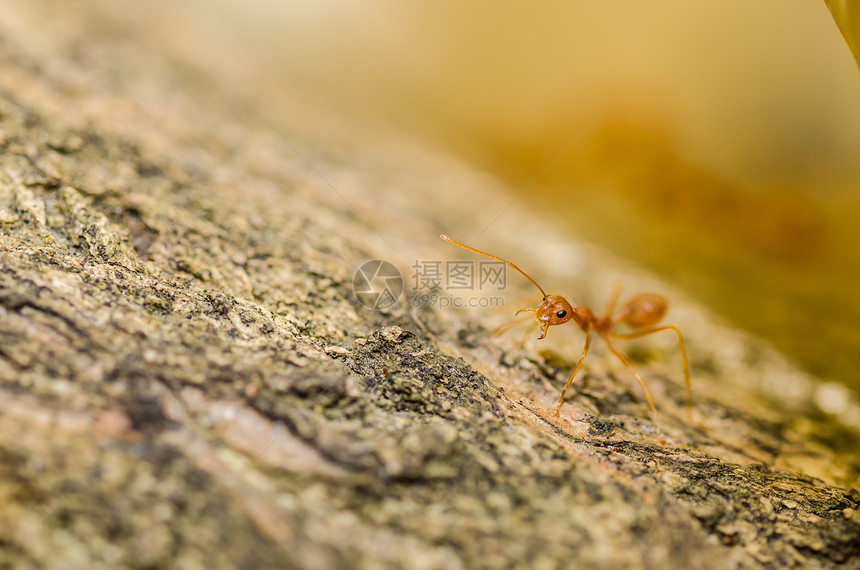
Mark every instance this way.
x=715 y=142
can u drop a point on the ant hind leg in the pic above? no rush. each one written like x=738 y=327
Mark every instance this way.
x=683 y=352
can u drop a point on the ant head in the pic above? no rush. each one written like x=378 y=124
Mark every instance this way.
x=555 y=310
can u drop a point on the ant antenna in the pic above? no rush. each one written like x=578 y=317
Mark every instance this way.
x=464 y=246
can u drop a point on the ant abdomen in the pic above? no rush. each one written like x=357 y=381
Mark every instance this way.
x=643 y=310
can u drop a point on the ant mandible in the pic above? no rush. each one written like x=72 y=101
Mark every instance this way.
x=641 y=312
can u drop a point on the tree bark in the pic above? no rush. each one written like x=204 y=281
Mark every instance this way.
x=188 y=379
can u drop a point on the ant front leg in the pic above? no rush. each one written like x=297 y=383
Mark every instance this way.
x=575 y=370
x=531 y=325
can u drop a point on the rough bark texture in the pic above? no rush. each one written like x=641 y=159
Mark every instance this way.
x=188 y=380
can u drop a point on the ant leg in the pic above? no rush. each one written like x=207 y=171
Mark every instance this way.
x=528 y=333
x=629 y=366
x=572 y=374
x=613 y=298
x=543 y=327
x=502 y=329
x=531 y=326
x=683 y=358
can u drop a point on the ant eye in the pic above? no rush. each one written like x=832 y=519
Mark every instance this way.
x=561 y=314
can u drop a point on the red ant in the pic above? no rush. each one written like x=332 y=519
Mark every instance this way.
x=642 y=312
